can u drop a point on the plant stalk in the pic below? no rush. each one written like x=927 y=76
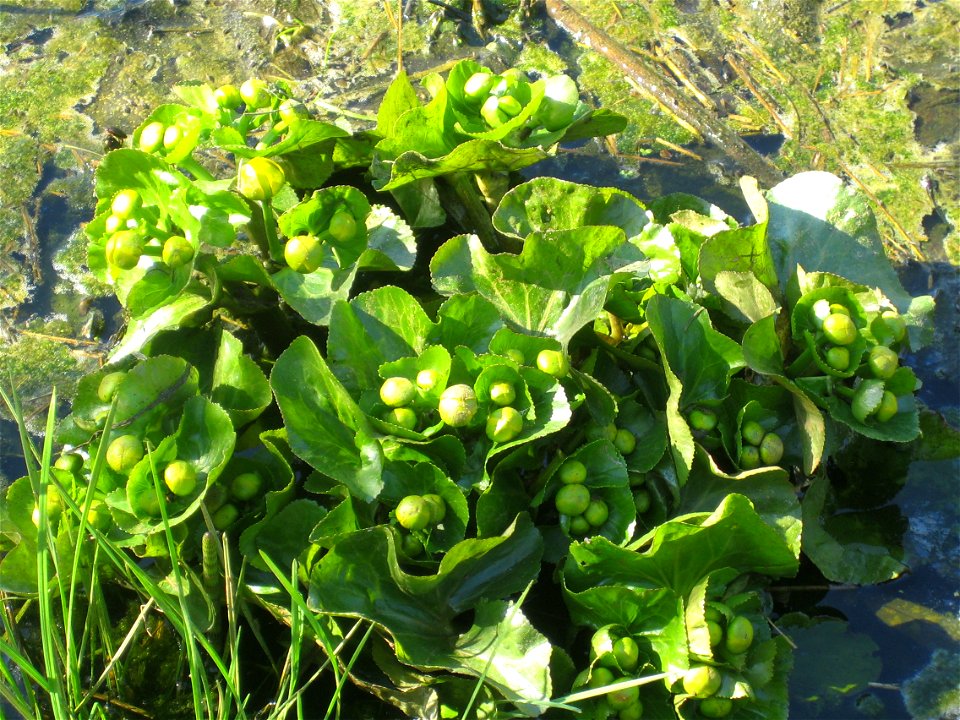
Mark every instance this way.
x=475 y=215
x=700 y=119
x=199 y=172
x=270 y=230
x=803 y=363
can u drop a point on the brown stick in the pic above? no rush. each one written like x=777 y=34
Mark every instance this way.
x=707 y=125
x=59 y=338
x=767 y=105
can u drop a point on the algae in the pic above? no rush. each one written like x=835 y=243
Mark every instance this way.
x=37 y=361
x=74 y=69
x=599 y=77
x=854 y=89
x=934 y=692
x=838 y=82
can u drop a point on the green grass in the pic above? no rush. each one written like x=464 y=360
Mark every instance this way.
x=77 y=666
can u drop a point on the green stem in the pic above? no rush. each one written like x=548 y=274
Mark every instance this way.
x=156 y=232
x=271 y=135
x=803 y=362
x=842 y=390
x=247 y=118
x=270 y=229
x=475 y=215
x=207 y=264
x=243 y=127
x=198 y=171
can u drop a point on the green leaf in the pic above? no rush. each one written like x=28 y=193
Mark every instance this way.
x=702 y=358
x=300 y=135
x=467 y=320
x=601 y=403
x=444 y=451
x=508 y=651
x=554 y=287
x=205 y=439
x=325 y=427
x=506 y=495
x=598 y=122
x=200 y=95
x=239 y=385
x=390 y=242
x=341 y=521
x=657 y=244
x=769 y=489
x=198 y=346
x=271 y=461
x=421 y=607
x=375 y=327
x=425 y=128
x=471 y=156
x=421 y=204
x=682 y=446
x=142 y=291
x=154 y=180
x=749 y=299
x=178 y=312
x=399 y=98
x=18 y=569
x=314 y=295
x=451 y=267
x=849 y=547
x=698 y=362
x=761 y=347
x=307 y=168
x=682 y=551
x=822 y=224
x=692 y=212
x=360 y=576
x=18 y=501
x=219 y=213
x=243 y=269
x=152 y=389
x=546 y=203
x=285 y=535
x=742 y=250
